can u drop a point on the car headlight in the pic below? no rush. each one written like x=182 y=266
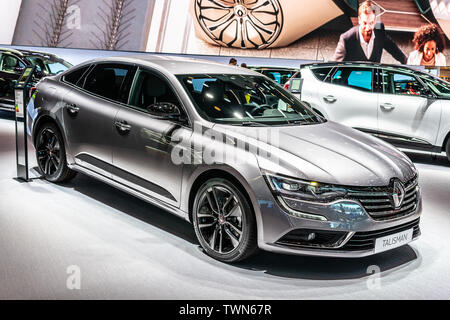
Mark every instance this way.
x=310 y=191
x=298 y=197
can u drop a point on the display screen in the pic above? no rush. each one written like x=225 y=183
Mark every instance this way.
x=400 y=32
x=25 y=75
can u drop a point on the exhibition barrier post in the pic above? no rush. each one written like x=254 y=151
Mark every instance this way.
x=20 y=92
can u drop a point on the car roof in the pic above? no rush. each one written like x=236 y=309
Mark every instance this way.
x=23 y=53
x=361 y=64
x=179 y=65
x=273 y=68
x=10 y=50
x=39 y=53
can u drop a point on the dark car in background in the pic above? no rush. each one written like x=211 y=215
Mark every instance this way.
x=12 y=64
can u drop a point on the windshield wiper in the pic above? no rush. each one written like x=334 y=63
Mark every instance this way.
x=253 y=123
x=300 y=122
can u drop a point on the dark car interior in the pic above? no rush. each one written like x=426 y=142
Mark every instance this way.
x=150 y=89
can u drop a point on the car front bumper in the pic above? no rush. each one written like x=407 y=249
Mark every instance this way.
x=275 y=223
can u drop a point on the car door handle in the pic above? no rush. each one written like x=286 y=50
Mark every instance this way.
x=72 y=109
x=329 y=99
x=122 y=126
x=387 y=106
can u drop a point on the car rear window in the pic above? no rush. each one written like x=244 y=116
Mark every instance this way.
x=74 y=76
x=357 y=78
x=321 y=73
x=108 y=81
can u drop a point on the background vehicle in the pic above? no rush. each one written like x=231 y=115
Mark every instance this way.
x=278 y=74
x=12 y=64
x=282 y=178
x=406 y=107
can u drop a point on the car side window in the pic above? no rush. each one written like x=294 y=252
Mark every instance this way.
x=9 y=63
x=356 y=78
x=150 y=88
x=74 y=77
x=110 y=81
x=401 y=84
x=321 y=73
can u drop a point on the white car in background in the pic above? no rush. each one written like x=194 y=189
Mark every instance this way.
x=406 y=107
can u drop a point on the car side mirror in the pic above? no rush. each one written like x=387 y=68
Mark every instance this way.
x=165 y=111
x=427 y=93
x=295 y=85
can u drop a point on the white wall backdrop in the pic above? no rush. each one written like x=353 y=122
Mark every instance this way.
x=9 y=11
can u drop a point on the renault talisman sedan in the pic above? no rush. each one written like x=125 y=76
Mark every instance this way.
x=228 y=149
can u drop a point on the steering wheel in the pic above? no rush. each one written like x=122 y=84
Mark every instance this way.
x=257 y=110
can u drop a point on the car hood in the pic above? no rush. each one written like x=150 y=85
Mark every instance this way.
x=326 y=152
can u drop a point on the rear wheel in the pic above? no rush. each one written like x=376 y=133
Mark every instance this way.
x=51 y=154
x=223 y=221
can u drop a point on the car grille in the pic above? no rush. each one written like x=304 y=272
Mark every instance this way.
x=362 y=241
x=377 y=201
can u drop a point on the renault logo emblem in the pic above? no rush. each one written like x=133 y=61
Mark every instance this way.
x=398 y=194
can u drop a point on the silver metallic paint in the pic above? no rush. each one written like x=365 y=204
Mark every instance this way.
x=327 y=152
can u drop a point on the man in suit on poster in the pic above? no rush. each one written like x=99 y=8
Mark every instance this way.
x=366 y=41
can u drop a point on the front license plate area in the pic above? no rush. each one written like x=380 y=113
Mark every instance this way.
x=393 y=241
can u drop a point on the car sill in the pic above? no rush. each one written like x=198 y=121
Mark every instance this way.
x=118 y=185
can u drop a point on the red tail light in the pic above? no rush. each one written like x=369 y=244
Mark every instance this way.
x=286 y=86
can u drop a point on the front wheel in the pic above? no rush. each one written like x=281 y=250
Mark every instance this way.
x=447 y=149
x=223 y=221
x=51 y=154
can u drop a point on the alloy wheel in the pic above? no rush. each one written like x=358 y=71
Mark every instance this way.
x=48 y=152
x=219 y=218
x=240 y=23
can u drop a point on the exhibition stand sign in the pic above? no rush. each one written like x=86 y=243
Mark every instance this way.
x=20 y=92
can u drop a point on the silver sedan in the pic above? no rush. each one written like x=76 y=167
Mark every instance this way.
x=229 y=150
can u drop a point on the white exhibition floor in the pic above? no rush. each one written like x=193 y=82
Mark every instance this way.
x=128 y=249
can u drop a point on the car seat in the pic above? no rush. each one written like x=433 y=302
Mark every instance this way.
x=9 y=63
x=104 y=84
x=153 y=91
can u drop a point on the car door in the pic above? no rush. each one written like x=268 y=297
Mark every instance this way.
x=142 y=143
x=348 y=96
x=408 y=114
x=11 y=68
x=89 y=112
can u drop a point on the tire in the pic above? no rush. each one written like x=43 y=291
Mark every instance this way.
x=447 y=149
x=233 y=226
x=51 y=154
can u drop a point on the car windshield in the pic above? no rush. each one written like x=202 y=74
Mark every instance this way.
x=245 y=100
x=48 y=66
x=439 y=86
